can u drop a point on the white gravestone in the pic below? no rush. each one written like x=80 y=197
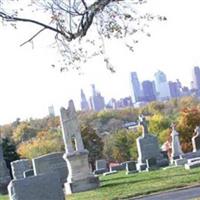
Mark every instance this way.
x=176 y=147
x=80 y=178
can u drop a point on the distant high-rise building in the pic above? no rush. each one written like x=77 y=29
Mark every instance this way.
x=174 y=89
x=97 y=102
x=196 y=77
x=162 y=86
x=84 y=103
x=51 y=111
x=148 y=91
x=135 y=88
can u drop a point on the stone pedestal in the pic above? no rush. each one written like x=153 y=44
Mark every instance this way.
x=176 y=147
x=80 y=178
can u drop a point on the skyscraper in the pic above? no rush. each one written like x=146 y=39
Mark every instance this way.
x=148 y=91
x=196 y=77
x=174 y=89
x=162 y=86
x=84 y=103
x=96 y=100
x=135 y=88
x=51 y=111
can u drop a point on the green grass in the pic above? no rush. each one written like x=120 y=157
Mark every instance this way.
x=5 y=197
x=121 y=186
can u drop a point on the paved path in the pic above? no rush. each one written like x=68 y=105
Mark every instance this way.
x=181 y=194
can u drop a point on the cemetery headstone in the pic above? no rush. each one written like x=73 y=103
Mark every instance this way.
x=196 y=139
x=176 y=147
x=19 y=167
x=100 y=166
x=41 y=187
x=80 y=178
x=131 y=167
x=53 y=162
x=151 y=164
x=4 y=174
x=148 y=147
x=28 y=173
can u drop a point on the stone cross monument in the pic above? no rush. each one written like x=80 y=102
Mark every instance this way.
x=196 y=139
x=4 y=173
x=79 y=177
x=148 y=147
x=142 y=122
x=176 y=147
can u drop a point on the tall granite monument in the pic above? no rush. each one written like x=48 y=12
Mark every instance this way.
x=176 y=147
x=148 y=147
x=4 y=173
x=79 y=178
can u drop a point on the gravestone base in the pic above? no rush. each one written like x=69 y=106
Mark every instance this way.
x=79 y=178
x=86 y=184
x=141 y=166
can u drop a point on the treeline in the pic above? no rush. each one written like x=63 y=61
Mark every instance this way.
x=103 y=133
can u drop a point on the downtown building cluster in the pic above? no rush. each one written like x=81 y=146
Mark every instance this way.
x=159 y=89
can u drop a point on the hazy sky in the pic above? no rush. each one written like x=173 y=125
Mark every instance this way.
x=29 y=85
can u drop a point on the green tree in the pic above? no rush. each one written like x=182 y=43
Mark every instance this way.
x=9 y=151
x=93 y=143
x=186 y=123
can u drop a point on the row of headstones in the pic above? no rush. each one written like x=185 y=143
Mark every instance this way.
x=189 y=160
x=41 y=178
x=53 y=172
x=129 y=166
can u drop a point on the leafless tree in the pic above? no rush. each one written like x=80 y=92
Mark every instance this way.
x=80 y=26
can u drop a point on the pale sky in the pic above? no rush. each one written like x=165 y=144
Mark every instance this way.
x=29 y=85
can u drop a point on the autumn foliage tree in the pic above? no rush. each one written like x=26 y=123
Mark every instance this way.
x=93 y=143
x=189 y=118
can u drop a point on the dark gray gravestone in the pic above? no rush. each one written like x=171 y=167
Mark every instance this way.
x=131 y=167
x=41 y=187
x=28 y=173
x=151 y=164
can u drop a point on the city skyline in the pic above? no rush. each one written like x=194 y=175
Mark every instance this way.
x=29 y=84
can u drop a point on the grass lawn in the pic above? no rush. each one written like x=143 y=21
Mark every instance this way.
x=121 y=186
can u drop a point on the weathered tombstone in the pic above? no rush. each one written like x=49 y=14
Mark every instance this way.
x=131 y=167
x=80 y=178
x=53 y=162
x=100 y=166
x=28 y=173
x=176 y=147
x=19 y=167
x=148 y=147
x=151 y=164
x=196 y=139
x=41 y=187
x=4 y=174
